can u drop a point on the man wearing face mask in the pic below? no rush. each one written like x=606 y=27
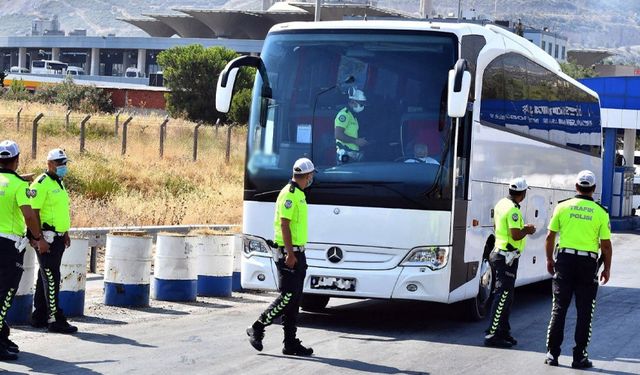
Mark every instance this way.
x=16 y=215
x=50 y=201
x=290 y=227
x=346 y=128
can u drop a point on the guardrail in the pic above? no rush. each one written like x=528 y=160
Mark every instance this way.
x=98 y=236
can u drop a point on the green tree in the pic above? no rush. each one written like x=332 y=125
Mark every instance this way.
x=576 y=71
x=191 y=73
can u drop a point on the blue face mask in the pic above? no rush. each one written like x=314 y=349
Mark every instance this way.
x=61 y=171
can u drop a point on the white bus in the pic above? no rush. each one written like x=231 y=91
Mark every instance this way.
x=48 y=67
x=488 y=104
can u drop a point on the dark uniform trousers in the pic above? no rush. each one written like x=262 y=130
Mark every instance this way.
x=288 y=302
x=577 y=275
x=46 y=299
x=505 y=279
x=10 y=274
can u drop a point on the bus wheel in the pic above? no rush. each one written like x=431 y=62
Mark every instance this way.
x=314 y=302
x=477 y=308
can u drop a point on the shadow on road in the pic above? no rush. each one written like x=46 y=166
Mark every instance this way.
x=110 y=339
x=97 y=320
x=389 y=321
x=351 y=364
x=160 y=310
x=205 y=304
x=46 y=365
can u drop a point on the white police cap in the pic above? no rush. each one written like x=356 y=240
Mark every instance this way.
x=303 y=166
x=8 y=149
x=57 y=154
x=357 y=95
x=586 y=178
x=518 y=184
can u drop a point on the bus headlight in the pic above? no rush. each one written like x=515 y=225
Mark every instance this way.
x=433 y=257
x=255 y=246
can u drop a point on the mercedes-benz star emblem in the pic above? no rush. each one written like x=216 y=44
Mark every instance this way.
x=334 y=254
x=336 y=211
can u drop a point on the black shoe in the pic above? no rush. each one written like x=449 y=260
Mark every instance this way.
x=11 y=346
x=583 y=362
x=62 y=326
x=510 y=339
x=296 y=348
x=497 y=342
x=551 y=360
x=6 y=355
x=255 y=338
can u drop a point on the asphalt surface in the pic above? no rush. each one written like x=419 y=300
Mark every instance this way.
x=351 y=337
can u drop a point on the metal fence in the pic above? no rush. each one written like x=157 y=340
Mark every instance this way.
x=121 y=125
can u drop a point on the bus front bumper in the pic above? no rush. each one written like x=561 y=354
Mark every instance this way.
x=412 y=283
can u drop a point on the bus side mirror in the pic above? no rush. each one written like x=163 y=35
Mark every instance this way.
x=227 y=79
x=458 y=89
x=224 y=90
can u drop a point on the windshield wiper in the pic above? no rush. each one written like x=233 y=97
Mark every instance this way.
x=267 y=193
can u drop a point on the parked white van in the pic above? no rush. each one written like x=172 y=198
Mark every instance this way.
x=133 y=73
x=17 y=69
x=48 y=67
x=75 y=71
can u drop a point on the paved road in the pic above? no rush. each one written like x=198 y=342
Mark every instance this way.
x=352 y=337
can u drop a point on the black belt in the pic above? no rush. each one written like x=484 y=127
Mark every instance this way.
x=296 y=249
x=583 y=253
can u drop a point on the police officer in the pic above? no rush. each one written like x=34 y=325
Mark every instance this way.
x=346 y=128
x=15 y=212
x=510 y=232
x=584 y=229
x=50 y=201
x=290 y=227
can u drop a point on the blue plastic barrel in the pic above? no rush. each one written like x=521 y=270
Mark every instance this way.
x=22 y=305
x=214 y=265
x=174 y=269
x=73 y=277
x=237 y=257
x=127 y=269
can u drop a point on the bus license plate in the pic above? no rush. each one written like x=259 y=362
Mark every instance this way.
x=333 y=283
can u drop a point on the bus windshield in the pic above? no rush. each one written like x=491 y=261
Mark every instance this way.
x=367 y=107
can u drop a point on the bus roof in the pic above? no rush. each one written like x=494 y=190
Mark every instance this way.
x=456 y=28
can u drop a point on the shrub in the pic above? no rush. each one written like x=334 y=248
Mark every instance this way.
x=87 y=99
x=17 y=91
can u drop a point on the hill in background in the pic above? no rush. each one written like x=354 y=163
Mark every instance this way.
x=587 y=23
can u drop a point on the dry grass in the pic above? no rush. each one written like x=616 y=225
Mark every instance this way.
x=108 y=189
